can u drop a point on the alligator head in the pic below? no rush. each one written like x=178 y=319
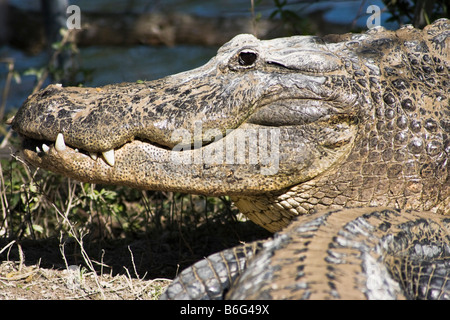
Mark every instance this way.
x=252 y=92
x=262 y=121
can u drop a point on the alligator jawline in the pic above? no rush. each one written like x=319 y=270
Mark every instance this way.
x=40 y=148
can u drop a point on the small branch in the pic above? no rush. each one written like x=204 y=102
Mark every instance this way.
x=66 y=38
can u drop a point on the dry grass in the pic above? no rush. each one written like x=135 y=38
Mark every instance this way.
x=73 y=283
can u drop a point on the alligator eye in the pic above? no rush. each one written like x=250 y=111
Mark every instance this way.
x=247 y=58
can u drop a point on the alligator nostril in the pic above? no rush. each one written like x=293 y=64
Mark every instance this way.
x=247 y=58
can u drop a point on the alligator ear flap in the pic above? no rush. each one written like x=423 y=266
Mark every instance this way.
x=306 y=60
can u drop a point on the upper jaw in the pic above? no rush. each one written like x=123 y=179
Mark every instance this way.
x=281 y=113
x=40 y=149
x=37 y=120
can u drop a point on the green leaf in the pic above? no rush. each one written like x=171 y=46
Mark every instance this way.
x=38 y=228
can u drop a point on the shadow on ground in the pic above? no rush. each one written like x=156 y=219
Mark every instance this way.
x=154 y=255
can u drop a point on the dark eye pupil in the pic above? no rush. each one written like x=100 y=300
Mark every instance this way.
x=247 y=58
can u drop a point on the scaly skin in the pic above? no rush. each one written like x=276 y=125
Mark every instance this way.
x=364 y=253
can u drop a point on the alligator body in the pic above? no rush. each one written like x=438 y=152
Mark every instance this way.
x=286 y=127
x=362 y=253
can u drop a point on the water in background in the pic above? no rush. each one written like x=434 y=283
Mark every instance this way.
x=119 y=64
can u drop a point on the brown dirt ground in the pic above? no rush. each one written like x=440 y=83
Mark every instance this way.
x=137 y=267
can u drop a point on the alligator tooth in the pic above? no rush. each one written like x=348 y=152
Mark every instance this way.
x=38 y=150
x=93 y=155
x=60 y=145
x=45 y=148
x=109 y=157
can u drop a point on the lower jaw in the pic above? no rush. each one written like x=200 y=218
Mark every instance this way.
x=144 y=166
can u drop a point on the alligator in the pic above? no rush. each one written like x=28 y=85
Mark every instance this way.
x=347 y=134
